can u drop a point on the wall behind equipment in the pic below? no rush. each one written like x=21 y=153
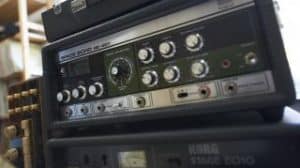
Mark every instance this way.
x=289 y=12
x=11 y=62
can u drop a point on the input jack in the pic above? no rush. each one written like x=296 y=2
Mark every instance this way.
x=68 y=112
x=182 y=95
x=100 y=108
x=231 y=88
x=226 y=64
x=204 y=92
x=251 y=58
x=141 y=102
x=84 y=110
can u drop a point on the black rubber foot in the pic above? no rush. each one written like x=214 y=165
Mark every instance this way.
x=273 y=114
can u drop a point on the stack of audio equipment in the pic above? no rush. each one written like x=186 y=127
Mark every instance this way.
x=24 y=129
x=131 y=91
x=212 y=57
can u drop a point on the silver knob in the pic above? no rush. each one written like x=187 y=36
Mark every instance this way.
x=167 y=49
x=150 y=78
x=194 y=42
x=171 y=74
x=200 y=68
x=96 y=89
x=79 y=93
x=114 y=70
x=146 y=55
x=64 y=96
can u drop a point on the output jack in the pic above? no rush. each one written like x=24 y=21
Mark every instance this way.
x=100 y=108
x=204 y=92
x=84 y=109
x=231 y=88
x=141 y=102
x=226 y=64
x=251 y=58
x=68 y=112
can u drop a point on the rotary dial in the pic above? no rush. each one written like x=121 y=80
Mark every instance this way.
x=120 y=72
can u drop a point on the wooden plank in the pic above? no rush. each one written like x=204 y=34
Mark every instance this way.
x=23 y=22
x=36 y=27
x=33 y=38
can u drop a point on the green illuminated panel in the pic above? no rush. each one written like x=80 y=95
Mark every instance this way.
x=121 y=71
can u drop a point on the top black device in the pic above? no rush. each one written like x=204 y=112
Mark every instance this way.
x=169 y=60
x=73 y=16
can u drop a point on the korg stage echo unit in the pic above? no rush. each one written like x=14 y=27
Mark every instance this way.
x=275 y=146
x=214 y=56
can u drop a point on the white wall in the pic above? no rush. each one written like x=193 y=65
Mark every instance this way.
x=11 y=59
x=290 y=17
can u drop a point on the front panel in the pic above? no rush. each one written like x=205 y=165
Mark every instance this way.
x=193 y=62
x=226 y=148
x=212 y=52
x=247 y=153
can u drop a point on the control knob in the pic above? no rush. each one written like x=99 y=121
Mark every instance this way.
x=64 y=96
x=167 y=49
x=79 y=92
x=120 y=72
x=96 y=89
x=199 y=68
x=150 y=78
x=146 y=55
x=194 y=42
x=171 y=74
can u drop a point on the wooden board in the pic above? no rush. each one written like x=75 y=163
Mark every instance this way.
x=33 y=38
x=9 y=9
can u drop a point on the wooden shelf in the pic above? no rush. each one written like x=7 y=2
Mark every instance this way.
x=9 y=9
x=17 y=76
x=36 y=33
x=33 y=38
x=36 y=27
